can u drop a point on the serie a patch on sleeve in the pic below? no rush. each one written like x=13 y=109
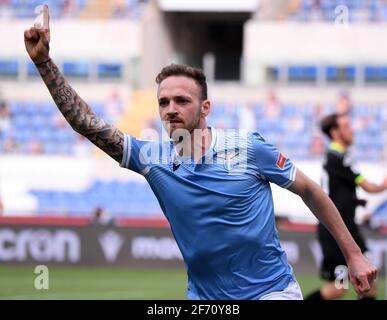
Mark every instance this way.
x=281 y=160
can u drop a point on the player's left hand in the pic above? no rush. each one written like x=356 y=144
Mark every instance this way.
x=362 y=274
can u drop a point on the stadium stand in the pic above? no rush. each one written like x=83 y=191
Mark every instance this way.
x=112 y=196
x=327 y=10
x=74 y=8
x=41 y=123
x=367 y=74
x=38 y=128
x=11 y=69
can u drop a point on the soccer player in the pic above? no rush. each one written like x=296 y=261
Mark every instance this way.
x=212 y=186
x=340 y=183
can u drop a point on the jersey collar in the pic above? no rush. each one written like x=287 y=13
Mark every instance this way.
x=177 y=159
x=337 y=147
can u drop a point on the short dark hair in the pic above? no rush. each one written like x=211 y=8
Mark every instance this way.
x=183 y=70
x=329 y=122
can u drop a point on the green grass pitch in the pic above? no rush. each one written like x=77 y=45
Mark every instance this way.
x=17 y=282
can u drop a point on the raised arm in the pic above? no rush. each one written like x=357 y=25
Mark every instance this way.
x=362 y=272
x=77 y=113
x=372 y=187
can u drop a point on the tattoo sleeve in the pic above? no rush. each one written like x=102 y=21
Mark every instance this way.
x=79 y=115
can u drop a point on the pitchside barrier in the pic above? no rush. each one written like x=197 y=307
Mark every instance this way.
x=140 y=243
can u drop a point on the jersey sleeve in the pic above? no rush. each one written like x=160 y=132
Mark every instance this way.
x=272 y=165
x=139 y=154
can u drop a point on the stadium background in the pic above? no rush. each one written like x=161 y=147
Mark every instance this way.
x=273 y=66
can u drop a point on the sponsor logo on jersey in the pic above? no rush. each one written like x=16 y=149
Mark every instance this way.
x=281 y=161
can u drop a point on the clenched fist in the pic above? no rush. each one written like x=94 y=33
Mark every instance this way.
x=37 y=39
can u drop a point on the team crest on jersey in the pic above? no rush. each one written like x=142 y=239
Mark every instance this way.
x=281 y=160
x=228 y=157
x=228 y=164
x=228 y=154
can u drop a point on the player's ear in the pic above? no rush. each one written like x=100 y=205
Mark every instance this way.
x=205 y=108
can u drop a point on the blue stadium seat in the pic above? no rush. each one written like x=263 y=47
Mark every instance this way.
x=302 y=73
x=340 y=74
x=109 y=70
x=63 y=136
x=20 y=121
x=76 y=69
x=375 y=73
x=37 y=122
x=48 y=109
x=22 y=135
x=9 y=68
x=44 y=135
x=31 y=70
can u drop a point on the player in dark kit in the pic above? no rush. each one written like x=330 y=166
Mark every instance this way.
x=340 y=182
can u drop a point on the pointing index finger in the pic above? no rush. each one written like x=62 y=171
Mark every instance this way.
x=46 y=17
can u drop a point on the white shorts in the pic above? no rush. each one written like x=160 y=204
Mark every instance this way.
x=291 y=292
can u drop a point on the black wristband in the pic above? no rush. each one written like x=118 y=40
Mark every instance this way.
x=38 y=64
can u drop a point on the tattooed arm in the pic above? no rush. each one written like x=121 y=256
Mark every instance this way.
x=78 y=114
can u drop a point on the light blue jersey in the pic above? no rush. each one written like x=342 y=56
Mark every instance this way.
x=221 y=211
